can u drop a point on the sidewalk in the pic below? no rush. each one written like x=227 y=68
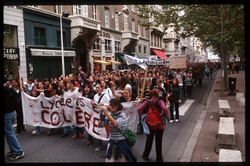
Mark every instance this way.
x=202 y=143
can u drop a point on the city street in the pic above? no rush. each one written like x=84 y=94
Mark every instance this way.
x=53 y=149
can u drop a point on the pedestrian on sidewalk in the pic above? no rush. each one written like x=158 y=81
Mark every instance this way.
x=10 y=103
x=174 y=92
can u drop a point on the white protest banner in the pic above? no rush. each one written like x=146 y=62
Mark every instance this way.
x=157 y=63
x=71 y=109
x=133 y=60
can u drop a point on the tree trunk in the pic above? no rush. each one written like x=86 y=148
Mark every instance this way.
x=222 y=55
x=225 y=67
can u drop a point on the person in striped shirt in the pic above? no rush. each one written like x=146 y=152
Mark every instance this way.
x=118 y=147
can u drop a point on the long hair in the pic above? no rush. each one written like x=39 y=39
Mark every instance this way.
x=90 y=91
x=154 y=93
x=176 y=80
x=124 y=81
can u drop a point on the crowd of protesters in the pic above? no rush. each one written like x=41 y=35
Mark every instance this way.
x=125 y=86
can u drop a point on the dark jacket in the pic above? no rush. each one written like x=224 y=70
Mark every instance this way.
x=176 y=92
x=10 y=100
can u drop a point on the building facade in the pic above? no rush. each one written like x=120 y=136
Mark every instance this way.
x=95 y=37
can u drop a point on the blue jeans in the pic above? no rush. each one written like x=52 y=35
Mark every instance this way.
x=99 y=143
x=175 y=106
x=78 y=130
x=38 y=128
x=67 y=129
x=121 y=148
x=10 y=136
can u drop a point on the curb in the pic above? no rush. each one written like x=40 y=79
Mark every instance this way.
x=188 y=152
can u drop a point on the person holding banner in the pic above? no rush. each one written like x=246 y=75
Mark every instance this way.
x=36 y=90
x=89 y=93
x=10 y=102
x=20 y=128
x=102 y=99
x=118 y=147
x=79 y=132
x=50 y=92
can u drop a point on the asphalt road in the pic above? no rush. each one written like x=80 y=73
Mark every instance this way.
x=56 y=149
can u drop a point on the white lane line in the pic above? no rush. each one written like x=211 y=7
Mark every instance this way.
x=184 y=107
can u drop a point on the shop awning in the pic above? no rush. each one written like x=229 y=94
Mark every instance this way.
x=160 y=54
x=102 y=62
x=45 y=52
x=122 y=57
x=115 y=62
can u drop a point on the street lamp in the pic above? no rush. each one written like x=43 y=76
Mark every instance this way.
x=63 y=14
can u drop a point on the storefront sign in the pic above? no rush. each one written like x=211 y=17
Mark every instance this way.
x=11 y=53
x=43 y=52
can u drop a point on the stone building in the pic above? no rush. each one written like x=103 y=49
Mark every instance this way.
x=94 y=36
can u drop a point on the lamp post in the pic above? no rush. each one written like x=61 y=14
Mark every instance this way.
x=63 y=14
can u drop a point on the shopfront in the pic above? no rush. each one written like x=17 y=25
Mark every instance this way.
x=11 y=53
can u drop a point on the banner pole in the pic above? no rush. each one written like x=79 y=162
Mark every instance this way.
x=20 y=80
x=144 y=81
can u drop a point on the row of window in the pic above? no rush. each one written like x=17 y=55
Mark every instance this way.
x=83 y=11
x=97 y=46
x=40 y=40
x=140 y=49
x=125 y=23
x=40 y=37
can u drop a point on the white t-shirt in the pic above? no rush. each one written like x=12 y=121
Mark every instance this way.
x=179 y=77
x=75 y=91
x=109 y=92
x=105 y=98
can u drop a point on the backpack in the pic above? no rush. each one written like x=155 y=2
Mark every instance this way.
x=130 y=136
x=153 y=118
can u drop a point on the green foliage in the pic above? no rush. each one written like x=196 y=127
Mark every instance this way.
x=202 y=21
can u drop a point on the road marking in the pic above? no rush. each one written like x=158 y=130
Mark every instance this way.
x=184 y=107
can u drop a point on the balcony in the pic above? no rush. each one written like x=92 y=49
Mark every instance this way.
x=171 y=37
x=130 y=35
x=85 y=22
